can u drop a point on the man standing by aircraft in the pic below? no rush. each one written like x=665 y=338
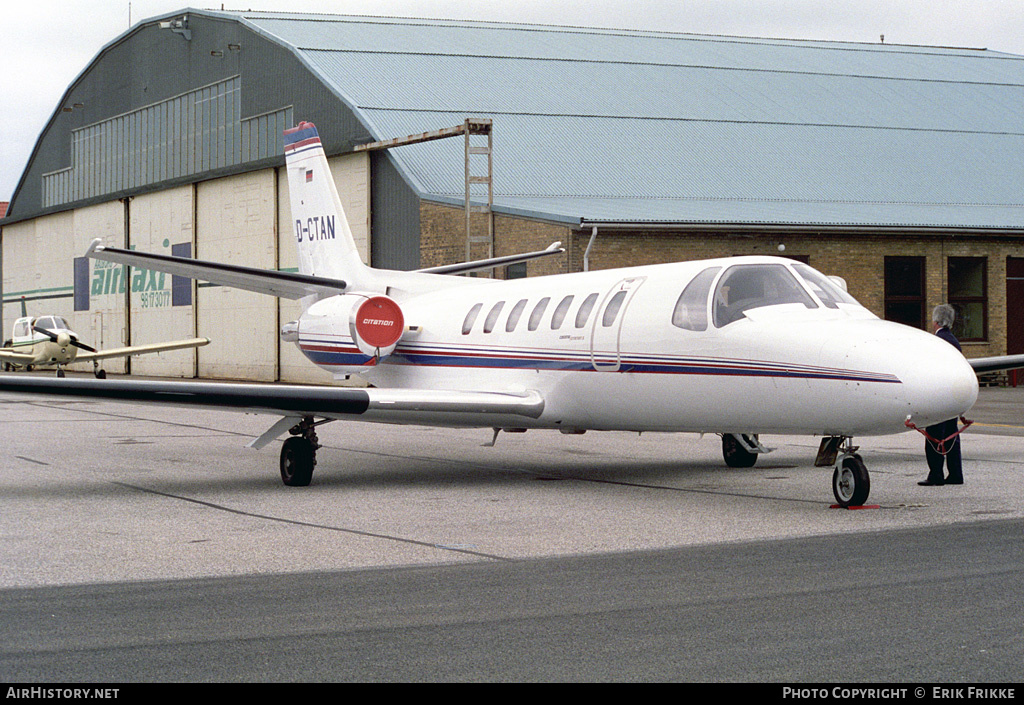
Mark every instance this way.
x=936 y=451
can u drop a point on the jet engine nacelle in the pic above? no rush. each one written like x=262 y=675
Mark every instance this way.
x=349 y=332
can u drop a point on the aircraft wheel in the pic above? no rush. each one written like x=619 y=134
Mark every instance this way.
x=850 y=482
x=736 y=456
x=60 y=372
x=297 y=462
x=101 y=374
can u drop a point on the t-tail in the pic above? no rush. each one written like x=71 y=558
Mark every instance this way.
x=324 y=240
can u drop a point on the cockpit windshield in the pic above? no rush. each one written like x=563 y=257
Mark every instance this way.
x=51 y=323
x=748 y=286
x=824 y=288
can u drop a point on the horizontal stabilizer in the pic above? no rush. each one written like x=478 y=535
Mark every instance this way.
x=286 y=285
x=477 y=265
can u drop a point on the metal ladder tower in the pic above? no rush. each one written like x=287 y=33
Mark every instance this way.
x=474 y=150
x=479 y=127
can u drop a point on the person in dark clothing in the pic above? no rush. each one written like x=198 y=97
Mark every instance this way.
x=942 y=320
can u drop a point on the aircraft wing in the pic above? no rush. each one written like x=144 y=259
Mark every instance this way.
x=995 y=364
x=437 y=407
x=16 y=358
x=287 y=285
x=141 y=349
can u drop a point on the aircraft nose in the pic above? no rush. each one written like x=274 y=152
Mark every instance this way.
x=938 y=381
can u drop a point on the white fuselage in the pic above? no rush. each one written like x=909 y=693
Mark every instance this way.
x=810 y=366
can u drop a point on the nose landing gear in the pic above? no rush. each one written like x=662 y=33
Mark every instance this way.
x=851 y=483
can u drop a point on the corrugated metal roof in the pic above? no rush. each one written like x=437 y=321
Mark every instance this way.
x=613 y=125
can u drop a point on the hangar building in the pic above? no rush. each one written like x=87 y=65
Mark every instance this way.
x=898 y=168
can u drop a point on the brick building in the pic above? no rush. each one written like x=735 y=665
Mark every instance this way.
x=895 y=167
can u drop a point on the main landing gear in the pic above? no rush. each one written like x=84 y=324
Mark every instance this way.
x=740 y=450
x=298 y=453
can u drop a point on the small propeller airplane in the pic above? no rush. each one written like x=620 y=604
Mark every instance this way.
x=739 y=347
x=48 y=341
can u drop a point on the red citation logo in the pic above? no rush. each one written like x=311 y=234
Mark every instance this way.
x=379 y=322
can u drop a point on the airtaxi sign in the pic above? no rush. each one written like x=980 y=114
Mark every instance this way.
x=152 y=286
x=149 y=288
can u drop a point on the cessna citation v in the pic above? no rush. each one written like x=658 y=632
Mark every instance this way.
x=738 y=347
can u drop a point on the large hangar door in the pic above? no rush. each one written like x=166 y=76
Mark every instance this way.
x=235 y=223
x=102 y=322
x=37 y=268
x=161 y=223
x=351 y=173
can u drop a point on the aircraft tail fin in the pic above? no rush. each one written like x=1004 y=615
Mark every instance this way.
x=324 y=240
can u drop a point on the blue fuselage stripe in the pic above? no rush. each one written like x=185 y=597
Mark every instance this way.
x=331 y=353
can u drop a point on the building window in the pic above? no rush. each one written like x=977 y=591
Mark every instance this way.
x=516 y=271
x=904 y=290
x=967 y=279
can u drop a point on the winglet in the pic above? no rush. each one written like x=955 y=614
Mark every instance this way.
x=94 y=246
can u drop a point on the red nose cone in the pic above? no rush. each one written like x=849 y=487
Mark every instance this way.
x=379 y=322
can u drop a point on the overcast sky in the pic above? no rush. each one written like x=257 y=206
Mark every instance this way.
x=47 y=43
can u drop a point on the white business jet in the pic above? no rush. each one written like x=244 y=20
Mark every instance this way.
x=737 y=347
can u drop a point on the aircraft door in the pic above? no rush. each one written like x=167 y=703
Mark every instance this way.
x=605 y=336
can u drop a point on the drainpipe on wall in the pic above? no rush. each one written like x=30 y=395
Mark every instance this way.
x=590 y=245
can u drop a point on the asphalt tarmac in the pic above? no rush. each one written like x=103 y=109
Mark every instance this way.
x=99 y=498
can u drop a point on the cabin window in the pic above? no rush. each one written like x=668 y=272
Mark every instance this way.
x=611 y=311
x=21 y=329
x=538 y=312
x=559 y=315
x=585 y=308
x=749 y=286
x=824 y=288
x=691 y=311
x=492 y=316
x=514 y=315
x=467 y=325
